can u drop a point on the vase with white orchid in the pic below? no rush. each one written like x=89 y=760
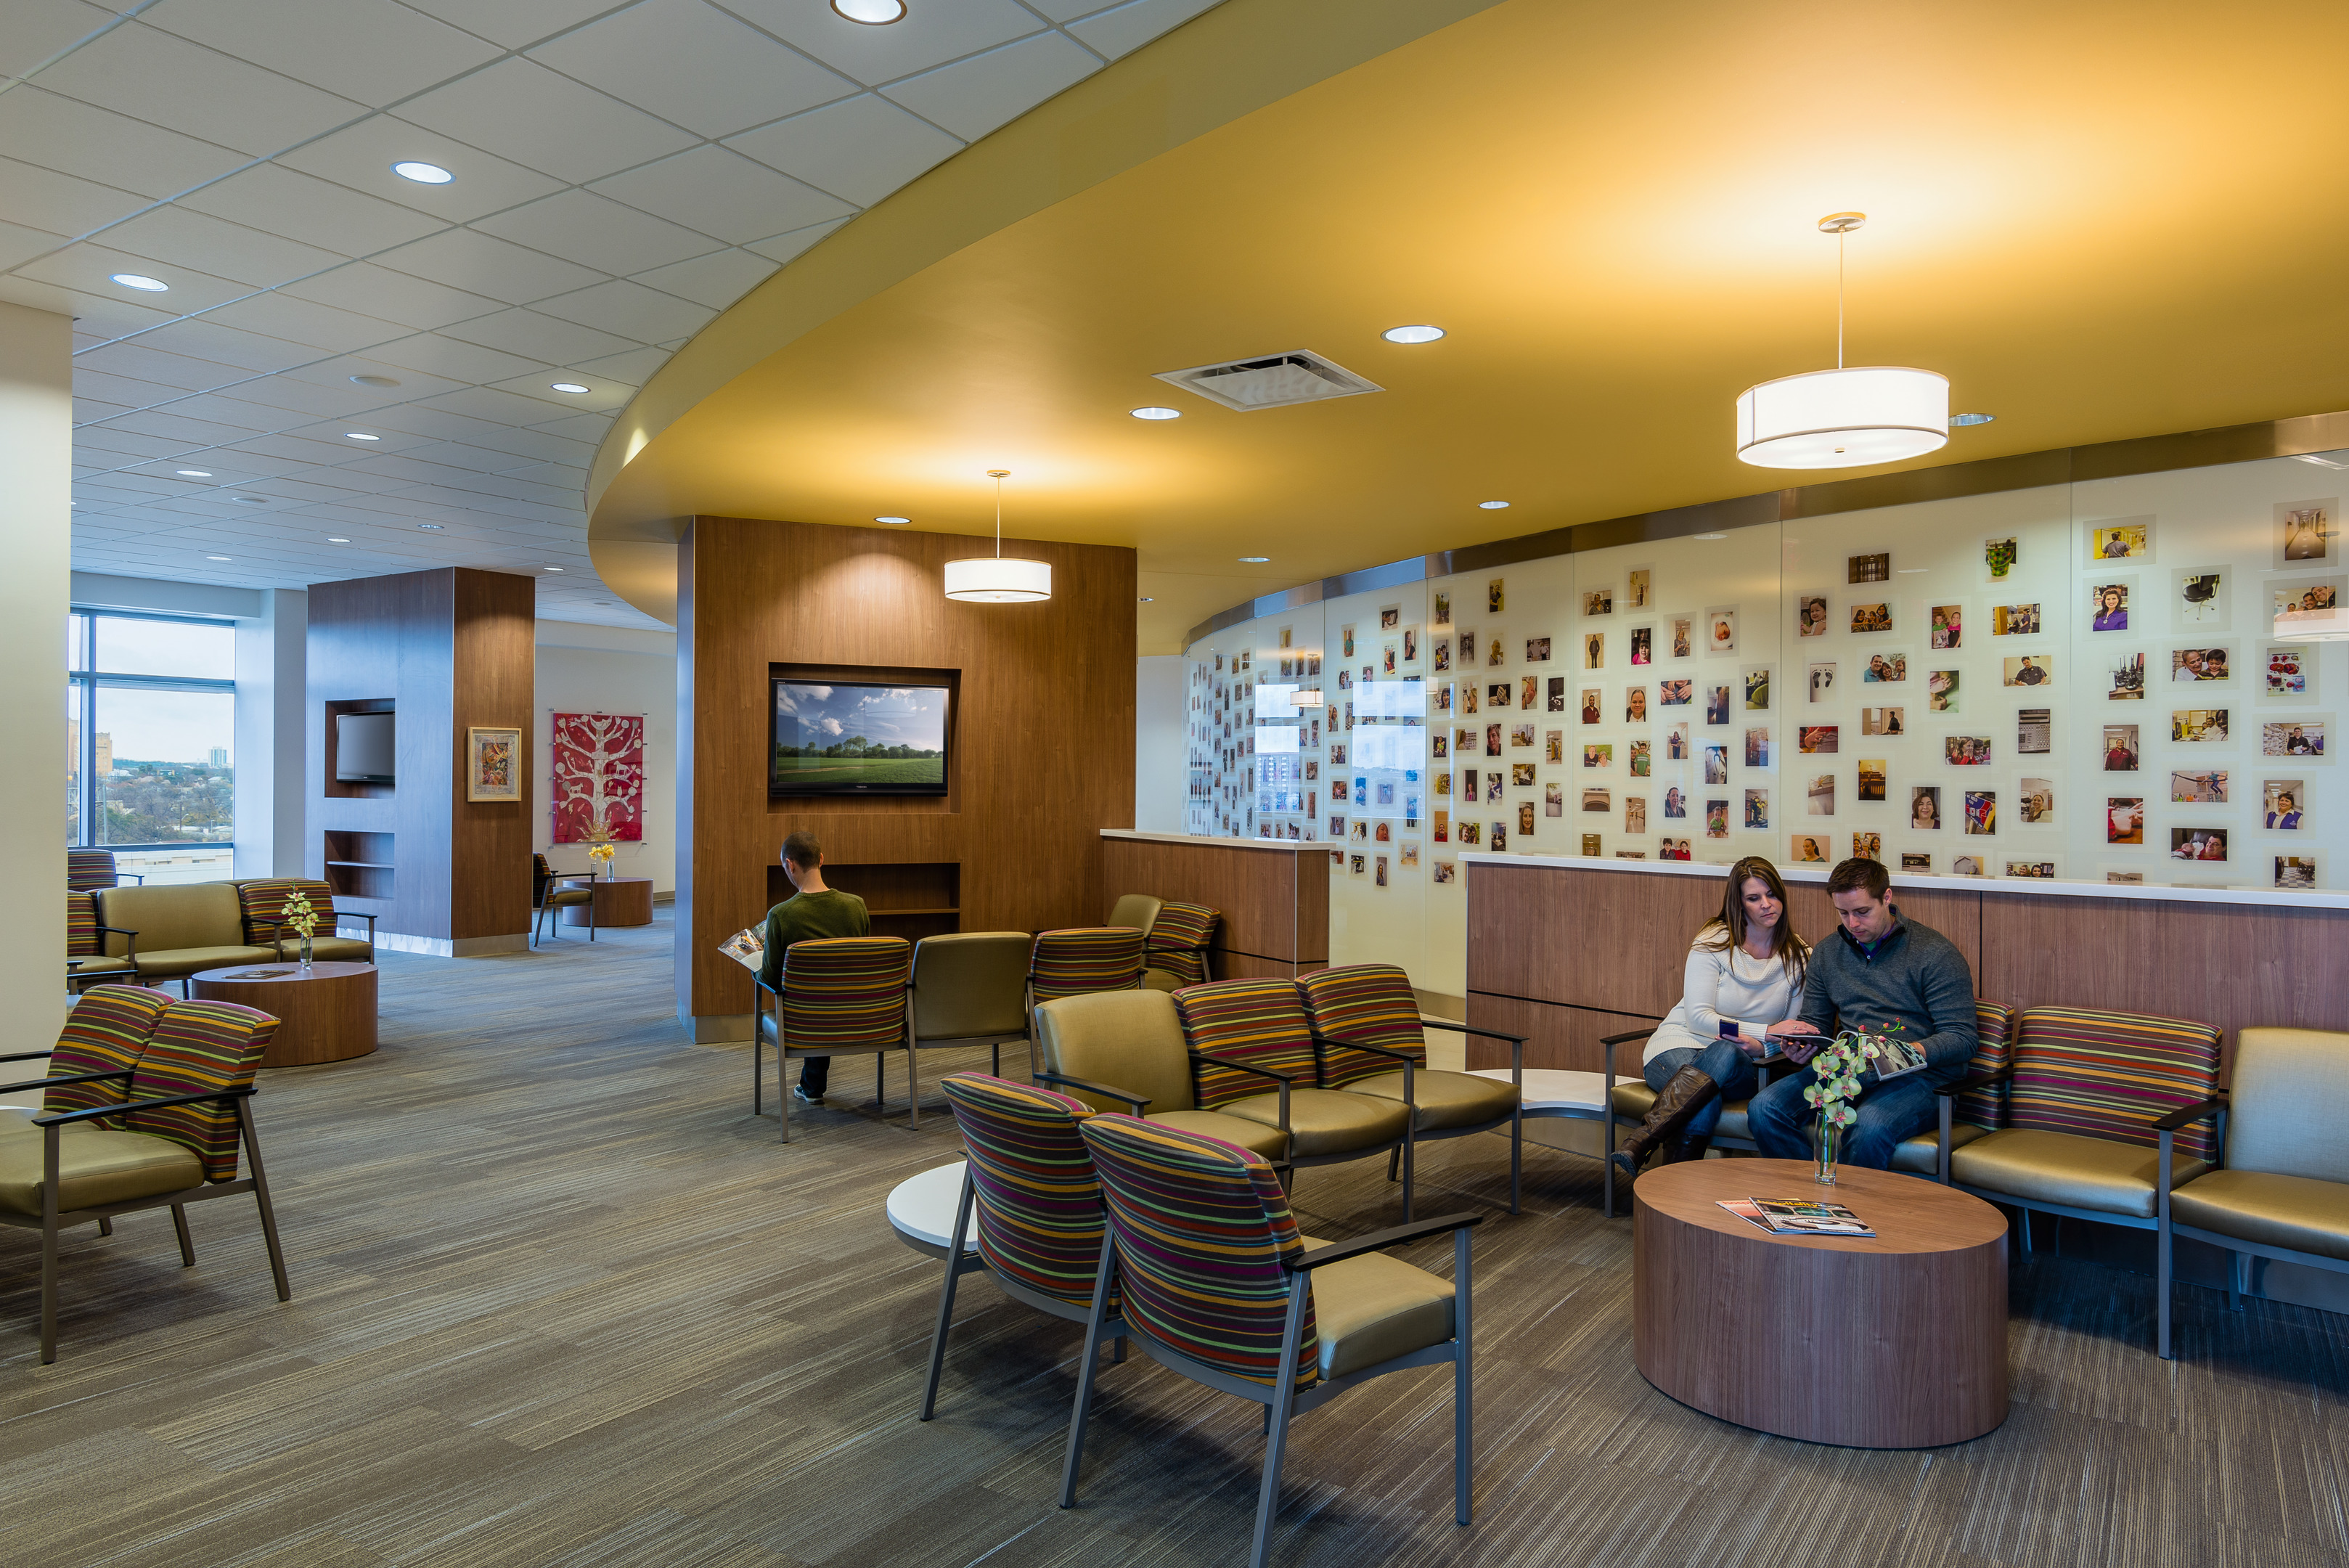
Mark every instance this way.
x=1835 y=1070
x=303 y=917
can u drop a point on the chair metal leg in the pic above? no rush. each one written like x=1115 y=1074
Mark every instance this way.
x=1606 y=1166
x=2161 y=1269
x=914 y=1082
x=186 y=1244
x=1083 y=1407
x=946 y=1296
x=782 y=1088
x=261 y=1200
x=1284 y=1395
x=2235 y=1281
x=1517 y=1157
x=758 y=1064
x=1394 y=1161
x=1410 y=1166
x=1463 y=1422
x=106 y=1227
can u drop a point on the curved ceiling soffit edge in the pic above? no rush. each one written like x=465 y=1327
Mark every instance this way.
x=1228 y=63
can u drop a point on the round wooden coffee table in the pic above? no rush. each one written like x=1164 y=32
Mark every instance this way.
x=1897 y=1342
x=324 y=1015
x=618 y=901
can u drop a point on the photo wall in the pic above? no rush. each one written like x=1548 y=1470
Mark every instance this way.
x=2073 y=683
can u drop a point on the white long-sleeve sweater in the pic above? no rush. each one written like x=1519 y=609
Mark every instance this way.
x=1730 y=986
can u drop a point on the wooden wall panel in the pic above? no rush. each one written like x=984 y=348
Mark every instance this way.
x=493 y=682
x=1043 y=741
x=1275 y=902
x=1558 y=1037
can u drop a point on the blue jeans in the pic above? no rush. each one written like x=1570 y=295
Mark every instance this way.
x=1722 y=1062
x=1888 y=1113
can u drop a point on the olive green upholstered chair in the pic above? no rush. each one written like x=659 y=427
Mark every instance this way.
x=547 y=895
x=971 y=988
x=1125 y=1051
x=181 y=929
x=2283 y=1191
x=87 y=961
x=1971 y=1107
x=1139 y=910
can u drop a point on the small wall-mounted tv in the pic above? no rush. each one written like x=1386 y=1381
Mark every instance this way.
x=832 y=737
x=362 y=748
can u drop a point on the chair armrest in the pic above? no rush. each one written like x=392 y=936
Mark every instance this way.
x=130 y=941
x=1968 y=1085
x=2187 y=1116
x=1393 y=1237
x=1427 y=1022
x=1611 y=1041
x=68 y=1078
x=1106 y=1091
x=1282 y=1078
x=1373 y=1050
x=63 y=1117
x=25 y=1055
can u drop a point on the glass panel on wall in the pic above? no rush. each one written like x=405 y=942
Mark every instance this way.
x=195 y=650
x=162 y=766
x=73 y=763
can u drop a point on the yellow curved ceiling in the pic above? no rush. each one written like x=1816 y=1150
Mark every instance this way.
x=2099 y=221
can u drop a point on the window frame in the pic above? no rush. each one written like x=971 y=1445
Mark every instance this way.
x=83 y=686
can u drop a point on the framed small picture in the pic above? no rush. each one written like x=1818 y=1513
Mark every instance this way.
x=1716 y=819
x=1916 y=864
x=1521 y=775
x=1818 y=738
x=1999 y=556
x=1721 y=629
x=1635 y=705
x=1537 y=650
x=2035 y=800
x=1389 y=616
x=1598 y=601
x=2288 y=668
x=1643 y=645
x=1948 y=626
x=1529 y=692
x=2120 y=748
x=1497 y=596
x=1757 y=809
x=1884 y=666
x=1883 y=721
x=1823 y=679
x=1598 y=756
x=1868 y=847
x=1967 y=751
x=1809 y=848
x=2014 y=620
x=2043 y=870
x=2207 y=787
x=1447 y=870
x=1555 y=691
x=1876 y=568
x=1757 y=689
x=2126 y=675
x=2198 y=726
x=1683 y=637
x=1554 y=745
x=1411 y=645
x=1441 y=614
x=1636 y=590
x=2303 y=533
x=1758 y=748
x=1872 y=617
x=1675 y=693
x=2108 y=606
x=2200 y=664
x=1981 y=811
x=2198 y=843
x=2295 y=873
x=1819 y=795
x=1553 y=800
x=2282 y=806
x=2202 y=600
x=1811 y=617
x=2125 y=819
x=1941 y=692
x=2119 y=539
x=1442 y=658
x=1925 y=808
x=1870 y=779
x=2031 y=669
x=493 y=763
x=1594 y=650
x=1494 y=652
x=2302 y=739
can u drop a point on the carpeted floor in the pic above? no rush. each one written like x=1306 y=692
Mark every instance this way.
x=559 y=1300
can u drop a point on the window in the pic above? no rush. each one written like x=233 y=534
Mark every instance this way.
x=150 y=721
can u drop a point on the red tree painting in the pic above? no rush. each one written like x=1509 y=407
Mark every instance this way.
x=599 y=776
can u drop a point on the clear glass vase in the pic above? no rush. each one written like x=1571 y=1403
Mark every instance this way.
x=306 y=951
x=1830 y=1145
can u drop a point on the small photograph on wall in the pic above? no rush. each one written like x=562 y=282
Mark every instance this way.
x=1590 y=844
x=2126 y=679
x=1496 y=695
x=1346 y=641
x=2198 y=726
x=2038 y=870
x=1467 y=649
x=1497 y=839
x=1809 y=848
x=1640 y=760
x=2108 y=606
x=1819 y=795
x=2119 y=539
x=2035 y=800
x=1594 y=651
x=1537 y=650
x=1493 y=652
x=1757 y=809
x=1379 y=874
x=1556 y=694
x=1387 y=656
x=1683 y=635
x=1441 y=612
x=1818 y=738
x=493 y=763
x=2198 y=843
x=1636 y=589
x=1389 y=616
x=1675 y=693
x=2202 y=602
x=1597 y=800
x=1884 y=666
x=1716 y=705
x=1870 y=782
x=1591 y=697
x=1471 y=833
x=1868 y=847
x=1439 y=826
x=1525 y=819
x=1447 y=870
x=2281 y=804
x=1598 y=756
x=1675 y=849
x=1871 y=616
x=1529 y=692
x=2200 y=664
x=1811 y=615
x=2120 y=748
x=1942 y=691
x=1439 y=697
x=1876 y=568
x=1757 y=689
x=1721 y=629
x=1407 y=854
x=2303 y=595
x=1676 y=744
x=2034 y=730
x=1883 y=721
x=2014 y=620
x=2129 y=876
x=1468 y=697
x=1553 y=800
x=1966 y=866
x=1635 y=705
x=1598 y=601
x=2303 y=532
x=1493 y=786
x=1357 y=864
x=2303 y=738
x=1967 y=751
x=1981 y=811
x=1497 y=596
x=1999 y=556
x=1521 y=775
x=1492 y=739
x=1716 y=819
x=2125 y=819
x=1643 y=645
x=1758 y=748
x=2288 y=667
x=1411 y=645
x=1916 y=864
x=1925 y=808
x=2031 y=669
x=1716 y=765
x=1948 y=624
x=2295 y=873
x=1554 y=745
x=1823 y=679
x=1521 y=735
x=2209 y=785
x=1675 y=803
x=1337 y=829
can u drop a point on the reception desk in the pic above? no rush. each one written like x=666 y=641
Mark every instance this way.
x=1275 y=895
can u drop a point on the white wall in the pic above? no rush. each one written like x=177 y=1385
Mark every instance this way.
x=36 y=531
x=1158 y=742
x=586 y=669
x=272 y=699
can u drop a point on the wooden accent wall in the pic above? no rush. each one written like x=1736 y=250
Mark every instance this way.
x=1567 y=955
x=447 y=650
x=1042 y=744
x=1275 y=902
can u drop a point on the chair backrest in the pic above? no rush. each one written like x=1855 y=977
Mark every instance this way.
x=968 y=984
x=1178 y=941
x=1994 y=1028
x=1370 y=1004
x=197 y=1046
x=1085 y=958
x=1038 y=1210
x=1203 y=1232
x=1128 y=1039
x=81 y=923
x=87 y=870
x=1259 y=1021
x=2112 y=1075
x=541 y=874
x=2288 y=1111
x=846 y=993
x=167 y=918
x=263 y=902
x=1136 y=909
x=107 y=1032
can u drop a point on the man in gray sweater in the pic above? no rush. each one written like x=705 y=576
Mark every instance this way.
x=1880 y=971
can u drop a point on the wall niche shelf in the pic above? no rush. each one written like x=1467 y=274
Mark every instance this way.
x=912 y=899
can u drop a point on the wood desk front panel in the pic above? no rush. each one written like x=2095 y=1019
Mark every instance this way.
x=1275 y=902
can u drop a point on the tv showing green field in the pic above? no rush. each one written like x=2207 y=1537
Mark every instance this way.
x=843 y=738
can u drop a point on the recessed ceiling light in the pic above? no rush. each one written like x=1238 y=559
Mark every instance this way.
x=1709 y=535
x=423 y=173
x=1155 y=413
x=249 y=500
x=871 y=13
x=140 y=281
x=333 y=539
x=573 y=387
x=892 y=521
x=553 y=568
x=216 y=557
x=1255 y=560
x=1960 y=420
x=374 y=381
x=193 y=472
x=434 y=527
x=1494 y=505
x=1422 y=334
x=360 y=435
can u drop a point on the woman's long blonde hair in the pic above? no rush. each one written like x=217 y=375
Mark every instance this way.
x=1726 y=930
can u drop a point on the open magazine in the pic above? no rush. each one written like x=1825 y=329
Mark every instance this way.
x=747 y=948
x=1796 y=1217
x=1901 y=1057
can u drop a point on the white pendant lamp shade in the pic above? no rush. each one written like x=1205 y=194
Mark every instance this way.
x=999 y=580
x=1844 y=418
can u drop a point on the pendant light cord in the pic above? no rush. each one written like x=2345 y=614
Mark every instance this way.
x=999 y=476
x=1840 y=236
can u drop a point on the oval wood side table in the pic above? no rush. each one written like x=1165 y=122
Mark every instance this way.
x=326 y=1015
x=619 y=901
x=1895 y=1341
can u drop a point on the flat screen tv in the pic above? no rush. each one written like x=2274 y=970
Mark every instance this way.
x=363 y=748
x=848 y=738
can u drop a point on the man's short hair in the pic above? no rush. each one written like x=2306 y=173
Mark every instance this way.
x=801 y=849
x=1860 y=875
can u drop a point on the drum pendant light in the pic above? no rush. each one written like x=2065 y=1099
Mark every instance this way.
x=1843 y=418
x=994 y=580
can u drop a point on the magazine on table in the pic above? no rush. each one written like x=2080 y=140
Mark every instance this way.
x=1796 y=1217
x=747 y=948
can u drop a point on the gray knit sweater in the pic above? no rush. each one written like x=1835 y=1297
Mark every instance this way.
x=1917 y=978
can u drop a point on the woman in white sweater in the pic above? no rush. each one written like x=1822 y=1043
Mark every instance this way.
x=1744 y=973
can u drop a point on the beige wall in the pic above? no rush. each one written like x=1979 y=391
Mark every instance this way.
x=587 y=668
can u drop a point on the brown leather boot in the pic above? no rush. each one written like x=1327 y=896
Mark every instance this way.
x=1687 y=1147
x=1687 y=1092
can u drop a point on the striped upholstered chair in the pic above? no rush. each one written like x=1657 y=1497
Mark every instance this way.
x=1217 y=1285
x=1255 y=1048
x=1125 y=1051
x=1079 y=960
x=1028 y=1187
x=167 y=1141
x=1367 y=1031
x=841 y=996
x=87 y=870
x=2100 y=1124
x=263 y=902
x=87 y=962
x=1177 y=946
x=1972 y=1107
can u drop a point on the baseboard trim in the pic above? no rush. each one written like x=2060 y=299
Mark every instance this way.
x=454 y=946
x=717 y=1028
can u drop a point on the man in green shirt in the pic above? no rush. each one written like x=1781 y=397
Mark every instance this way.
x=813 y=912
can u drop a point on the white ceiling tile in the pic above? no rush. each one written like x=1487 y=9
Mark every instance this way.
x=630 y=309
x=19 y=245
x=185 y=238
x=483 y=264
x=39 y=28
x=859 y=150
x=516 y=24
x=373 y=51
x=305 y=400
x=135 y=358
x=88 y=266
x=90 y=412
x=296 y=449
x=336 y=372
x=930 y=34
x=205 y=338
x=414 y=302
x=326 y=328
x=1122 y=29
x=723 y=193
x=128 y=444
x=522 y=110
x=283 y=201
x=785 y=247
x=633 y=369
x=521 y=442
x=472 y=459
x=93 y=143
x=587 y=428
x=972 y=96
x=94 y=316
x=692 y=64
x=602 y=393
x=481 y=403
x=597 y=233
x=716 y=280
x=436 y=356
x=127 y=391
x=361 y=157
x=137 y=71
x=179 y=427
x=526 y=332
x=61 y=203
x=236 y=413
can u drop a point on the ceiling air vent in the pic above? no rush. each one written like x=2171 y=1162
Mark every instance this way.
x=1274 y=381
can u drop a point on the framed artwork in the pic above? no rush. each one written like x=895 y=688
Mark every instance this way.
x=598 y=774
x=493 y=763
